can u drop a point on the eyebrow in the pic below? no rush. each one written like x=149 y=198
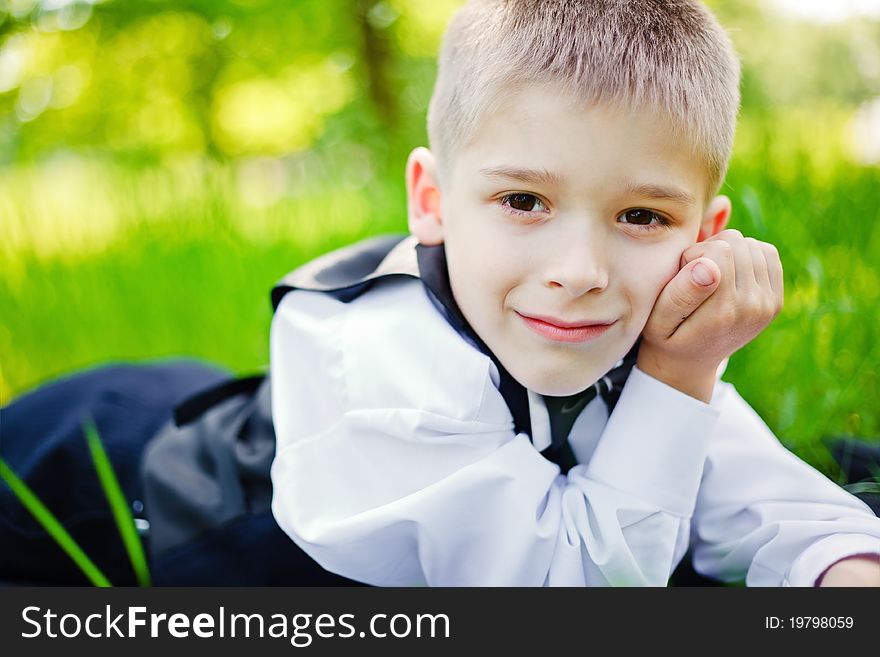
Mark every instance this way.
x=528 y=176
x=659 y=192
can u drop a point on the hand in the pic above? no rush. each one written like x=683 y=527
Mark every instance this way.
x=853 y=571
x=729 y=288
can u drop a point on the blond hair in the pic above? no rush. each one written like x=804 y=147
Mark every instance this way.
x=669 y=56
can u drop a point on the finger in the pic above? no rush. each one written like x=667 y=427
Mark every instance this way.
x=744 y=274
x=721 y=252
x=774 y=271
x=718 y=250
x=727 y=235
x=727 y=249
x=683 y=295
x=759 y=264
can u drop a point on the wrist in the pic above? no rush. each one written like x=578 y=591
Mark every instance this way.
x=693 y=379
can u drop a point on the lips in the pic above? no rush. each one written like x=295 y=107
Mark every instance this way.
x=553 y=321
x=561 y=330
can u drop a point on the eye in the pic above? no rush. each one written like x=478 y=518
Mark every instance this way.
x=521 y=203
x=644 y=218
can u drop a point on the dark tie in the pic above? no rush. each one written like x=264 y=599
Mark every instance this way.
x=563 y=411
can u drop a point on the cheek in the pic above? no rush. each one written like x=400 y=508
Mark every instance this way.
x=482 y=257
x=647 y=281
x=479 y=275
x=665 y=270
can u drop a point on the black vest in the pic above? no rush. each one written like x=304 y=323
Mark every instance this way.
x=212 y=463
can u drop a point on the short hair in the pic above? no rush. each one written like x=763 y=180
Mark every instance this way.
x=670 y=56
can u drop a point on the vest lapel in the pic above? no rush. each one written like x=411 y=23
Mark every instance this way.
x=435 y=276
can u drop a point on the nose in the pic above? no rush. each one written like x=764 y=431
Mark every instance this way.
x=579 y=264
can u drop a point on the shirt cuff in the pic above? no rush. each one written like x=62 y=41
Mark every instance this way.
x=655 y=444
x=824 y=553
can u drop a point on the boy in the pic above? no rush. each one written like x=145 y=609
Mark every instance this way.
x=530 y=396
x=522 y=392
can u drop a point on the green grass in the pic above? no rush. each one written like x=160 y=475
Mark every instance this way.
x=814 y=371
x=115 y=498
x=194 y=280
x=52 y=526
x=118 y=504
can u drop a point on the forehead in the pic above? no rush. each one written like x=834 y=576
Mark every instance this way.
x=559 y=140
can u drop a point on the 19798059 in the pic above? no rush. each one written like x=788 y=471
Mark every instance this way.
x=808 y=622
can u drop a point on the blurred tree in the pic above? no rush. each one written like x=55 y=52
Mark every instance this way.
x=376 y=54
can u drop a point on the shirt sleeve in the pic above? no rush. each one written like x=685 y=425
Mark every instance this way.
x=397 y=463
x=766 y=516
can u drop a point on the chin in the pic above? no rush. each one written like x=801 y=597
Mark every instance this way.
x=563 y=391
x=554 y=385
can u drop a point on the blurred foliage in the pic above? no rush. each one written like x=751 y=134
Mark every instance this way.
x=146 y=81
x=163 y=163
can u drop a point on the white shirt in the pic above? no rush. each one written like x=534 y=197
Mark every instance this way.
x=397 y=464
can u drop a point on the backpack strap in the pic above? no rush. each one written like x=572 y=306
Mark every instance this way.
x=193 y=407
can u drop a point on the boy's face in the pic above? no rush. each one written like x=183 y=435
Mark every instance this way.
x=555 y=215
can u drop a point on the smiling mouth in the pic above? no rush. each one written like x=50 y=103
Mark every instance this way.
x=562 y=331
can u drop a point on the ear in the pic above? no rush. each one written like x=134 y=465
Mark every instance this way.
x=715 y=217
x=423 y=198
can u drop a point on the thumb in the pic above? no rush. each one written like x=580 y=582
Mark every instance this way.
x=683 y=295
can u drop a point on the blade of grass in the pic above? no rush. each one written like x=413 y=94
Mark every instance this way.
x=54 y=528
x=863 y=487
x=118 y=503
